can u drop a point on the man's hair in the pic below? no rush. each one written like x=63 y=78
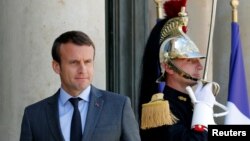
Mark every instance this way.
x=76 y=37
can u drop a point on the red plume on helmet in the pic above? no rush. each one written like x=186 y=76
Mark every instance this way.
x=173 y=7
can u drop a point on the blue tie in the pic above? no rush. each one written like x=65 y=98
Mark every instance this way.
x=76 y=124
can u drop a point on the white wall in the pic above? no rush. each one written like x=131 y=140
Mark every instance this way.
x=27 y=31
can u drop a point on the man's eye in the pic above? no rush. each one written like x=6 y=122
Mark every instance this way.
x=73 y=62
x=88 y=62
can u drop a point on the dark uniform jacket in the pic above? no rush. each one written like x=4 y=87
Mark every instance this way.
x=181 y=106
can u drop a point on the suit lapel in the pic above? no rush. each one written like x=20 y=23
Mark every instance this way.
x=95 y=107
x=53 y=117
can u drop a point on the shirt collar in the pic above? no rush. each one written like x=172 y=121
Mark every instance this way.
x=64 y=96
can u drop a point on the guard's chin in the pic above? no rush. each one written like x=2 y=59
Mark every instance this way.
x=192 y=82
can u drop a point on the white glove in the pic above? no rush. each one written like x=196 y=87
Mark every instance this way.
x=203 y=100
x=204 y=93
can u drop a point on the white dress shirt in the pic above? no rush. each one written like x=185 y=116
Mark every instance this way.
x=66 y=110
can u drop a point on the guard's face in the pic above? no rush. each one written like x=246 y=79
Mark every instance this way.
x=76 y=67
x=191 y=66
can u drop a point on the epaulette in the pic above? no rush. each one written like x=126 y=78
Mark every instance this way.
x=156 y=113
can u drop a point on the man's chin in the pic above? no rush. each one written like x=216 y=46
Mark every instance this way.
x=192 y=82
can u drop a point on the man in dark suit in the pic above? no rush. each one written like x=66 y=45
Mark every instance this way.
x=98 y=115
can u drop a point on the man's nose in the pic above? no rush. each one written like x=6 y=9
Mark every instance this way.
x=199 y=65
x=82 y=67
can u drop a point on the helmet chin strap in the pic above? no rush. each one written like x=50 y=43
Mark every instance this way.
x=180 y=71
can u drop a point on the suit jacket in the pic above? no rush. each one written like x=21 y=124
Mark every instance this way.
x=109 y=118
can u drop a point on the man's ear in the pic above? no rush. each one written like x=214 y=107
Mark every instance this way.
x=56 y=67
x=168 y=69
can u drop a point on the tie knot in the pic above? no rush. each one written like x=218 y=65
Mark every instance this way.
x=74 y=101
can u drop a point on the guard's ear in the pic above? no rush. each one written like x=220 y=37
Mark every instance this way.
x=56 y=67
x=168 y=68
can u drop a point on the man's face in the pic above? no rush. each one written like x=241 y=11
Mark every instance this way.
x=76 y=68
x=191 y=66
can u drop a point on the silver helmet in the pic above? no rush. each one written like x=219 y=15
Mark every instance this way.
x=176 y=44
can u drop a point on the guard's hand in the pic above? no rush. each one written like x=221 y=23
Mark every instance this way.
x=204 y=101
x=204 y=93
